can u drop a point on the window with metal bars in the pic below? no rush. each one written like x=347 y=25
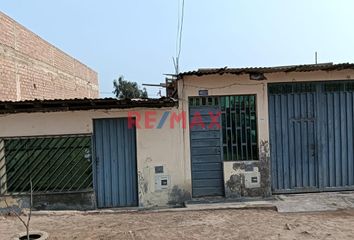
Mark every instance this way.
x=203 y=101
x=338 y=87
x=239 y=128
x=286 y=88
x=53 y=164
x=239 y=124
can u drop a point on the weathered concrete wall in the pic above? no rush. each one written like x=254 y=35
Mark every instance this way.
x=31 y=68
x=248 y=178
x=8 y=204
x=64 y=201
x=155 y=147
x=57 y=201
x=238 y=174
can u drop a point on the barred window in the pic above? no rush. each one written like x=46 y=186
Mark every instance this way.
x=239 y=128
x=286 y=88
x=238 y=124
x=53 y=164
x=203 y=101
x=338 y=87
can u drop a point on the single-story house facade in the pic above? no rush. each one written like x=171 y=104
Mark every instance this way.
x=230 y=132
x=283 y=129
x=82 y=154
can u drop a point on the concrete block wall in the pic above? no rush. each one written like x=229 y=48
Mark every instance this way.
x=31 y=68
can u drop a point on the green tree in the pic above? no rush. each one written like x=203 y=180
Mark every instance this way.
x=126 y=89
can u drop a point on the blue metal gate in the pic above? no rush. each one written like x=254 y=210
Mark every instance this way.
x=292 y=114
x=115 y=163
x=311 y=136
x=207 y=164
x=337 y=135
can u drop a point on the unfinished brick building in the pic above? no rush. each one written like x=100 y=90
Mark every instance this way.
x=31 y=68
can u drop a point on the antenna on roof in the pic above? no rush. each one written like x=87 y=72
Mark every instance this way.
x=315 y=57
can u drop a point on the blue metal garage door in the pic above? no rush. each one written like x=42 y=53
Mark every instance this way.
x=207 y=165
x=292 y=111
x=115 y=163
x=311 y=136
x=337 y=135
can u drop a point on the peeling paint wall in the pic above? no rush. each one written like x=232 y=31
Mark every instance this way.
x=153 y=192
x=248 y=178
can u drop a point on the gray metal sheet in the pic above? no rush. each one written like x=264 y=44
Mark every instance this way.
x=207 y=167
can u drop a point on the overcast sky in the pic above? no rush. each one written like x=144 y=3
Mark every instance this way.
x=137 y=38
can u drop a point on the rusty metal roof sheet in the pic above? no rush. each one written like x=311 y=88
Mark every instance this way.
x=249 y=70
x=57 y=105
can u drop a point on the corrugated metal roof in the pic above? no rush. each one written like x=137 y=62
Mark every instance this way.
x=291 y=68
x=57 y=105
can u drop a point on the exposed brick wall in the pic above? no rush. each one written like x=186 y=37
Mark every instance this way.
x=31 y=68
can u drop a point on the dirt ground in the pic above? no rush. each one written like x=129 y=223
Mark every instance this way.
x=208 y=224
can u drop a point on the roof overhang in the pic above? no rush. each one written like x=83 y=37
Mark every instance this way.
x=60 y=105
x=264 y=70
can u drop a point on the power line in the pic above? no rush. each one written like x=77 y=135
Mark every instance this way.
x=181 y=31
x=180 y=24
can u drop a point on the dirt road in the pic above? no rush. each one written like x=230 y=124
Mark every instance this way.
x=211 y=224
